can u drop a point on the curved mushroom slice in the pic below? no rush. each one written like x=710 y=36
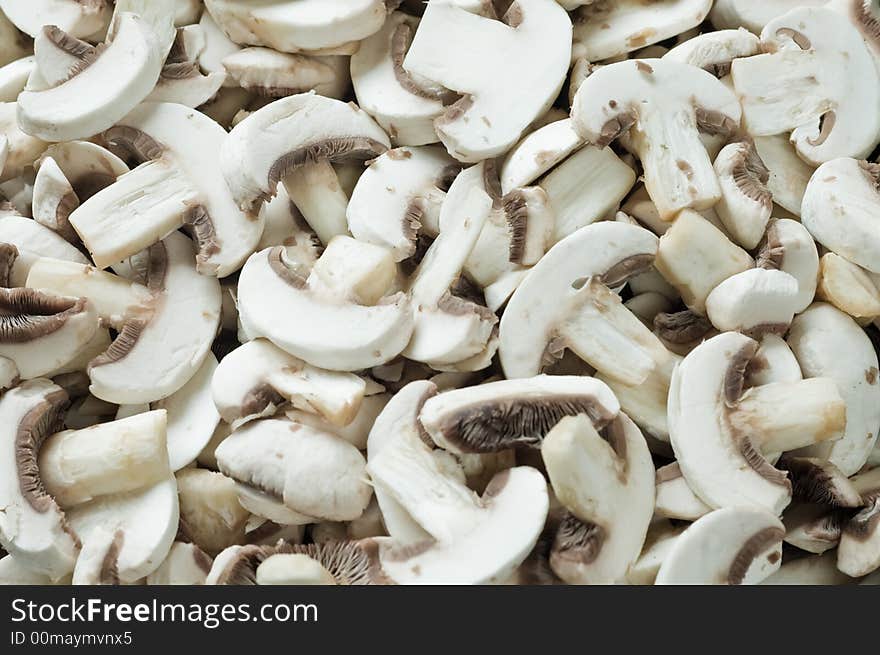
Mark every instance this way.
x=210 y=514
x=773 y=362
x=255 y=379
x=658 y=543
x=714 y=51
x=14 y=77
x=42 y=332
x=185 y=564
x=21 y=148
x=746 y=203
x=815 y=80
x=32 y=241
x=719 y=430
x=107 y=84
x=848 y=287
x=81 y=19
x=293 y=569
x=674 y=498
x=513 y=413
x=13 y=44
x=537 y=153
x=217 y=47
x=818 y=481
x=146 y=519
x=291 y=26
x=32 y=526
x=754 y=302
x=660 y=101
x=54 y=200
x=598 y=479
x=403 y=104
x=57 y=54
x=155 y=354
x=494 y=62
x=753 y=14
x=840 y=207
x=397 y=194
x=809 y=570
x=183 y=83
x=293 y=464
x=813 y=528
x=293 y=141
x=859 y=550
x=830 y=344
x=788 y=246
x=13 y=572
x=733 y=546
x=789 y=174
x=276 y=74
x=605 y=29
x=87 y=166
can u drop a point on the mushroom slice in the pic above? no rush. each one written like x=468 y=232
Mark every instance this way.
x=564 y=301
x=77 y=466
x=809 y=570
x=753 y=14
x=277 y=74
x=145 y=519
x=217 y=47
x=13 y=572
x=293 y=464
x=607 y=29
x=294 y=25
x=210 y=514
x=718 y=430
x=818 y=481
x=746 y=202
x=13 y=78
x=859 y=550
x=32 y=526
x=537 y=153
x=789 y=174
x=714 y=51
x=57 y=54
x=257 y=377
x=788 y=246
x=183 y=83
x=473 y=540
x=97 y=563
x=814 y=81
x=597 y=479
x=108 y=83
x=87 y=166
x=813 y=528
x=81 y=19
x=13 y=44
x=839 y=210
x=395 y=195
x=529 y=49
x=293 y=569
x=660 y=101
x=155 y=354
x=8 y=374
x=403 y=104
x=33 y=241
x=733 y=546
x=513 y=413
x=674 y=498
x=41 y=332
x=326 y=330
x=185 y=564
x=661 y=536
x=828 y=343
x=774 y=362
x=54 y=199
x=847 y=286
x=754 y=302
x=21 y=148
x=357 y=431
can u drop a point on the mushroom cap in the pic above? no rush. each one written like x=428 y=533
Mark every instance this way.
x=753 y=302
x=746 y=202
x=788 y=246
x=859 y=550
x=815 y=480
x=847 y=286
x=293 y=568
x=734 y=545
x=276 y=74
x=210 y=512
x=80 y=19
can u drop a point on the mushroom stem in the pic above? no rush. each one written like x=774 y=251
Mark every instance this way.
x=315 y=190
x=78 y=465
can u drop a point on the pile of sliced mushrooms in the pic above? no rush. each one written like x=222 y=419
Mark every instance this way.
x=445 y=292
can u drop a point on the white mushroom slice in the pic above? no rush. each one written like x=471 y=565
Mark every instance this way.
x=217 y=47
x=210 y=514
x=183 y=83
x=356 y=271
x=187 y=12
x=57 y=54
x=185 y=564
x=293 y=25
x=156 y=354
x=256 y=378
x=815 y=80
x=658 y=543
x=753 y=302
x=714 y=51
x=773 y=362
x=147 y=519
x=753 y=14
x=87 y=166
x=746 y=203
x=13 y=77
x=355 y=432
x=13 y=572
x=719 y=431
x=293 y=569
x=840 y=207
x=106 y=86
x=859 y=550
x=821 y=482
x=21 y=148
x=54 y=199
x=33 y=241
x=666 y=102
x=403 y=104
x=13 y=44
x=596 y=480
x=789 y=174
x=460 y=421
x=278 y=74
x=94 y=347
x=493 y=61
x=293 y=464
x=674 y=498
x=32 y=526
x=77 y=466
x=537 y=153
x=79 y=18
x=393 y=195
x=830 y=344
x=847 y=286
x=42 y=332
x=788 y=246
x=8 y=374
x=733 y=546
x=694 y=257
x=97 y=561
x=809 y=570
x=813 y=528
x=285 y=226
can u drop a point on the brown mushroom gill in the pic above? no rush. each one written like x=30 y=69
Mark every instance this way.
x=864 y=525
x=66 y=43
x=751 y=176
x=109 y=574
x=681 y=327
x=576 y=542
x=8 y=255
x=28 y=314
x=813 y=482
x=754 y=546
x=771 y=252
x=400 y=42
x=43 y=420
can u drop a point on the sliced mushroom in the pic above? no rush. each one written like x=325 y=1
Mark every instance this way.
x=276 y=74
x=18 y=149
x=659 y=541
x=859 y=550
x=753 y=14
x=813 y=528
x=674 y=498
x=788 y=246
x=537 y=153
x=13 y=572
x=818 y=481
x=293 y=569
x=847 y=286
x=13 y=44
x=14 y=77
x=773 y=362
x=81 y=19
x=746 y=202
x=181 y=81
x=210 y=515
x=217 y=47
x=810 y=570
x=714 y=51
x=185 y=564
x=789 y=174
x=754 y=302
x=33 y=241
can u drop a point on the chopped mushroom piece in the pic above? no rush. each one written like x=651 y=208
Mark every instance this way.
x=848 y=287
x=185 y=564
x=753 y=14
x=81 y=19
x=754 y=302
x=789 y=174
x=293 y=569
x=714 y=51
x=809 y=570
x=276 y=74
x=746 y=202
x=674 y=498
x=788 y=246
x=210 y=515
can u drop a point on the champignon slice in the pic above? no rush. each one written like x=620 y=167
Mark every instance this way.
x=789 y=174
x=13 y=572
x=754 y=302
x=156 y=354
x=41 y=332
x=495 y=61
x=293 y=569
x=773 y=362
x=32 y=241
x=537 y=153
x=54 y=199
x=294 y=463
x=403 y=104
x=598 y=479
x=809 y=570
x=719 y=430
x=357 y=431
x=605 y=29
x=658 y=543
x=276 y=74
x=660 y=102
x=181 y=82
x=733 y=546
x=254 y=379
x=813 y=528
x=847 y=286
x=32 y=526
x=814 y=81
x=746 y=202
x=79 y=18
x=210 y=514
x=185 y=564
x=513 y=413
x=753 y=14
x=87 y=166
x=13 y=43
x=859 y=550
x=674 y=498
x=828 y=343
x=788 y=246
x=217 y=47
x=21 y=148
x=714 y=51
x=818 y=481
x=14 y=77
